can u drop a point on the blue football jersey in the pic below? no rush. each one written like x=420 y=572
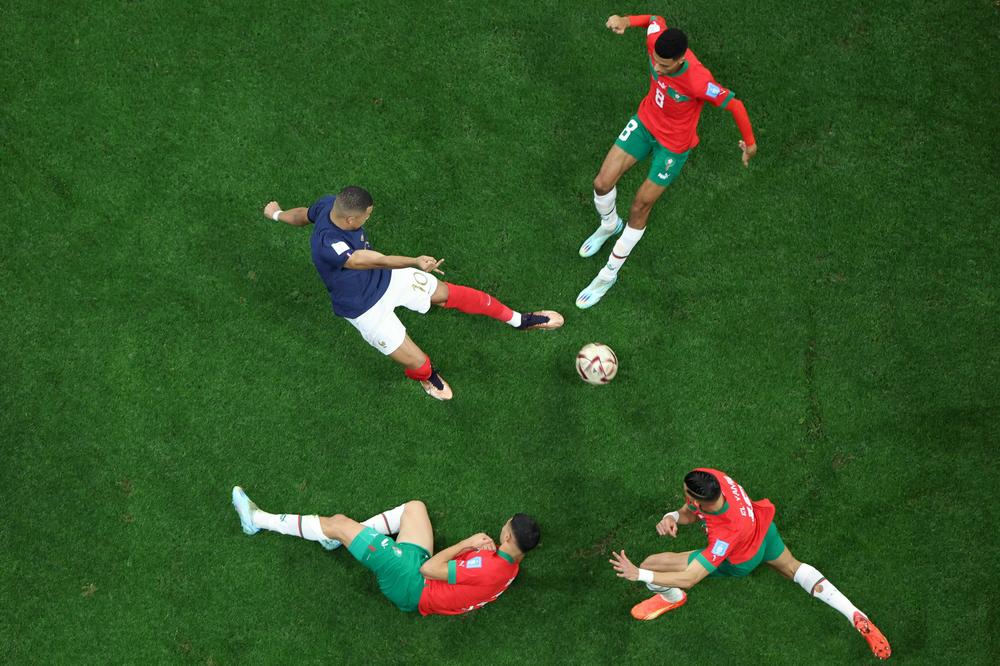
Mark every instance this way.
x=352 y=292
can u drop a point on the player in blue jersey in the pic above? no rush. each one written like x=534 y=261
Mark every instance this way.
x=367 y=286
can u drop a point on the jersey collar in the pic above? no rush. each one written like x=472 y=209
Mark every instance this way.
x=725 y=507
x=680 y=71
x=505 y=556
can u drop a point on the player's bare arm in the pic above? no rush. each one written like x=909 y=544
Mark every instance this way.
x=691 y=576
x=668 y=524
x=436 y=568
x=366 y=259
x=618 y=24
x=297 y=217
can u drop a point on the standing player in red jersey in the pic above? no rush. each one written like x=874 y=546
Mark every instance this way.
x=741 y=535
x=464 y=577
x=665 y=126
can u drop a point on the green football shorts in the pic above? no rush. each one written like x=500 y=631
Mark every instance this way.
x=770 y=549
x=396 y=566
x=636 y=140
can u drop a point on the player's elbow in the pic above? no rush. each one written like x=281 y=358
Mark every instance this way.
x=429 y=570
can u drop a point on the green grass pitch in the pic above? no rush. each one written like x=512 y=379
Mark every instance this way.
x=824 y=326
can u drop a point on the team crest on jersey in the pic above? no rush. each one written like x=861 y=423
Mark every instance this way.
x=474 y=563
x=720 y=548
x=713 y=90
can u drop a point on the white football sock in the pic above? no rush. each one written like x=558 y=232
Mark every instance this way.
x=605 y=205
x=291 y=524
x=515 y=320
x=668 y=593
x=623 y=247
x=816 y=584
x=386 y=522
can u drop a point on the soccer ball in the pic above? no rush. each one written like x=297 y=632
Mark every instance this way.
x=596 y=363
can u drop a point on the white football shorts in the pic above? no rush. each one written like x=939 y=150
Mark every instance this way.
x=379 y=326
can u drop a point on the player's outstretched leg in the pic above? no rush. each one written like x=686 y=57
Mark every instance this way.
x=417 y=366
x=666 y=598
x=647 y=195
x=474 y=301
x=817 y=585
x=616 y=163
x=311 y=528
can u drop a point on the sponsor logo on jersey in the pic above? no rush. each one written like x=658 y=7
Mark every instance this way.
x=713 y=90
x=474 y=563
x=720 y=548
x=340 y=247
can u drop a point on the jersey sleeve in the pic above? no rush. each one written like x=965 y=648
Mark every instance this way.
x=313 y=212
x=465 y=571
x=653 y=29
x=714 y=93
x=334 y=251
x=714 y=554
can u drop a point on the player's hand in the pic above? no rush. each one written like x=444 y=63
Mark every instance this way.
x=428 y=264
x=667 y=526
x=270 y=208
x=748 y=152
x=617 y=24
x=623 y=566
x=481 y=541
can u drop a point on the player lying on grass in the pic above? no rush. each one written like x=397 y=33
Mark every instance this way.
x=467 y=576
x=366 y=286
x=741 y=535
x=666 y=126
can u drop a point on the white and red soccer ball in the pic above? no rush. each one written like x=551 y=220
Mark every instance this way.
x=596 y=363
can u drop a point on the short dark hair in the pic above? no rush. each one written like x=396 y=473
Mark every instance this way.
x=354 y=199
x=525 y=531
x=671 y=44
x=702 y=486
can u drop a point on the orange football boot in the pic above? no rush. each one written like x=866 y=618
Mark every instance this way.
x=655 y=606
x=876 y=641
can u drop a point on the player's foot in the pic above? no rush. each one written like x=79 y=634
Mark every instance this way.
x=876 y=641
x=245 y=508
x=594 y=292
x=543 y=320
x=436 y=386
x=593 y=245
x=655 y=606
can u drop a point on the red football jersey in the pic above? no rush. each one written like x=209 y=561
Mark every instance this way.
x=671 y=109
x=475 y=578
x=737 y=530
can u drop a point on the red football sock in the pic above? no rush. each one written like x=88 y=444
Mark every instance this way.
x=421 y=374
x=473 y=301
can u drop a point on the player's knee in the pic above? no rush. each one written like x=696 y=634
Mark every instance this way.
x=603 y=184
x=414 y=506
x=335 y=521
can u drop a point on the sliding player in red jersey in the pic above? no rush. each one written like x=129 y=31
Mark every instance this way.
x=456 y=580
x=665 y=127
x=366 y=286
x=741 y=535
